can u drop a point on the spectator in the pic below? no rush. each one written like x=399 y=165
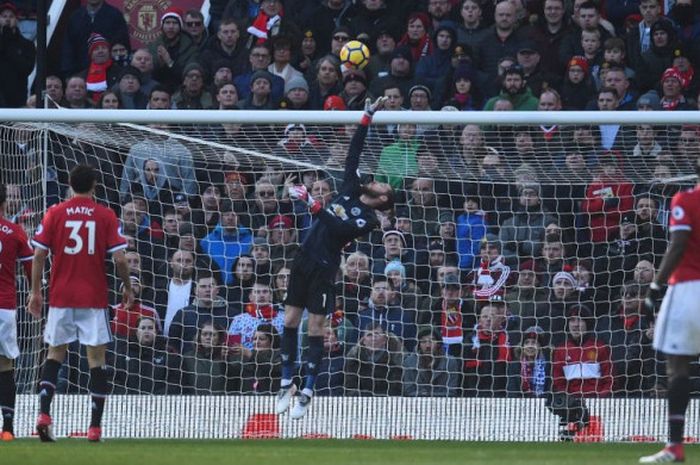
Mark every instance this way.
x=429 y=372
x=592 y=50
x=538 y=79
x=354 y=89
x=279 y=285
x=644 y=272
x=296 y=95
x=261 y=366
x=433 y=66
x=281 y=235
x=492 y=274
x=125 y=321
x=392 y=318
x=97 y=16
x=356 y=285
x=523 y=233
x=129 y=90
x=398 y=160
x=227 y=241
x=629 y=335
x=172 y=50
x=174 y=157
x=326 y=82
x=259 y=310
x=452 y=315
x=260 y=58
x=207 y=307
x=379 y=63
x=142 y=60
x=77 y=94
x=331 y=378
x=471 y=228
x=472 y=27
x=373 y=366
x=502 y=39
x=282 y=56
x=530 y=371
x=586 y=18
x=205 y=370
x=143 y=366
x=647 y=145
x=243 y=279
x=527 y=295
x=548 y=32
x=581 y=365
x=260 y=96
x=227 y=97
x=173 y=290
x=417 y=37
x=607 y=198
x=121 y=54
x=101 y=73
x=18 y=55
x=672 y=98
x=192 y=95
x=400 y=73
x=514 y=89
x=640 y=39
x=394 y=247
x=487 y=352
x=577 y=88
x=194 y=26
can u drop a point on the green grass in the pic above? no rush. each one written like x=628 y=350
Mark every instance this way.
x=321 y=452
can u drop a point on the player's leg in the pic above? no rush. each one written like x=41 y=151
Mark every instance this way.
x=94 y=332
x=8 y=352
x=321 y=303
x=288 y=354
x=47 y=388
x=7 y=398
x=99 y=389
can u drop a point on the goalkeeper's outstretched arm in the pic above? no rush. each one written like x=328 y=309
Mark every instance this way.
x=357 y=143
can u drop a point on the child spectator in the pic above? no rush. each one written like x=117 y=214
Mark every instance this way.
x=530 y=372
x=590 y=43
x=471 y=228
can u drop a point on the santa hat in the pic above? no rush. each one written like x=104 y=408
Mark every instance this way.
x=564 y=276
x=94 y=40
x=672 y=73
x=173 y=12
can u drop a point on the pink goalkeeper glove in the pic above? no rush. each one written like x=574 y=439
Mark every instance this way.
x=300 y=192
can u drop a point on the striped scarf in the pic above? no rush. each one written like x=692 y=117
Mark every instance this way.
x=533 y=376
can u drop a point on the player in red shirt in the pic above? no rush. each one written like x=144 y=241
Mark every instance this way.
x=677 y=330
x=79 y=233
x=13 y=246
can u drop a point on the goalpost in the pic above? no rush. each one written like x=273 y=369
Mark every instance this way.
x=539 y=223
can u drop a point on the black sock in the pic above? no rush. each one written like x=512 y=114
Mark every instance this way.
x=7 y=399
x=99 y=390
x=678 y=397
x=47 y=385
x=313 y=360
x=288 y=352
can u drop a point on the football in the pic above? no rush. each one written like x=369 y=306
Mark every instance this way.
x=354 y=54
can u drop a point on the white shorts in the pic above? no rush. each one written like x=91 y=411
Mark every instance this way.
x=677 y=330
x=8 y=334
x=89 y=326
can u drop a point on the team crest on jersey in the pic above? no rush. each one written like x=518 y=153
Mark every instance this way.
x=678 y=213
x=355 y=211
x=339 y=211
x=360 y=223
x=39 y=230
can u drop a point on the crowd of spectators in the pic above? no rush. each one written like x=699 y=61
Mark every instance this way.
x=491 y=278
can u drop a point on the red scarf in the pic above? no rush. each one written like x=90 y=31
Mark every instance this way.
x=629 y=321
x=451 y=323
x=265 y=312
x=687 y=77
x=96 y=80
x=421 y=48
x=526 y=369
x=498 y=340
x=670 y=105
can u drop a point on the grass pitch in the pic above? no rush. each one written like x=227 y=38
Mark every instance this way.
x=310 y=452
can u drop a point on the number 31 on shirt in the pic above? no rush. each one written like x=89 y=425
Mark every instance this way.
x=78 y=243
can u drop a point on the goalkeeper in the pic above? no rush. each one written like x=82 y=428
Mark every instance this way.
x=351 y=214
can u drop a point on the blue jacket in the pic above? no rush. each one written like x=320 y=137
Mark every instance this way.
x=224 y=249
x=393 y=319
x=471 y=228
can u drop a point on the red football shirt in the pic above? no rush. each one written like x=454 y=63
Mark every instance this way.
x=685 y=215
x=79 y=233
x=14 y=246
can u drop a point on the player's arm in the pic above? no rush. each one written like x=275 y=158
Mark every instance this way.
x=36 y=299
x=357 y=143
x=122 y=268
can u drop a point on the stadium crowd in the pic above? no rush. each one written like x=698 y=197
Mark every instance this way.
x=492 y=278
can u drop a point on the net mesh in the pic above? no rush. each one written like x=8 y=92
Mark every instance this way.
x=501 y=236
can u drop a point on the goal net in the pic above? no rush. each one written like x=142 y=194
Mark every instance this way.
x=502 y=296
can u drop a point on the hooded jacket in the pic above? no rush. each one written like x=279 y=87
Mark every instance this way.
x=224 y=247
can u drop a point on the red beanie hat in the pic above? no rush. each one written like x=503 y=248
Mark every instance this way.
x=578 y=60
x=94 y=40
x=173 y=12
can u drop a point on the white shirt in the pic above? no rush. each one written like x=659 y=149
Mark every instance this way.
x=178 y=297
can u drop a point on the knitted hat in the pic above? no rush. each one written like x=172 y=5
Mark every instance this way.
x=395 y=265
x=334 y=102
x=94 y=40
x=420 y=87
x=566 y=276
x=672 y=73
x=650 y=99
x=260 y=74
x=173 y=12
x=291 y=127
x=131 y=71
x=663 y=24
x=296 y=82
x=192 y=67
x=402 y=52
x=581 y=62
x=394 y=232
x=355 y=75
x=281 y=221
x=536 y=333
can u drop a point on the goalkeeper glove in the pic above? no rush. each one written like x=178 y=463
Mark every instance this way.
x=300 y=192
x=371 y=109
x=655 y=294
